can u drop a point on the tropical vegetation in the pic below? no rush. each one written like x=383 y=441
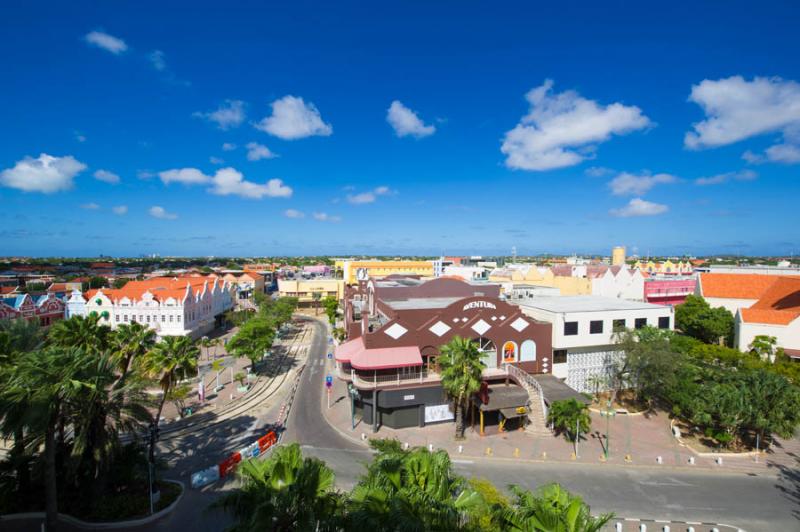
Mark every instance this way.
x=460 y=367
x=256 y=335
x=571 y=418
x=401 y=490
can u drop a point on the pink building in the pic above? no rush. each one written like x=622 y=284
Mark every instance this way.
x=668 y=290
x=318 y=269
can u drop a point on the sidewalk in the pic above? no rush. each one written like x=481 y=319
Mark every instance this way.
x=636 y=440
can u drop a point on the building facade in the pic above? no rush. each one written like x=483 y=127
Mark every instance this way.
x=171 y=306
x=355 y=270
x=310 y=292
x=47 y=309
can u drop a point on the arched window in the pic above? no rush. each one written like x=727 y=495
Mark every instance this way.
x=509 y=352
x=527 y=351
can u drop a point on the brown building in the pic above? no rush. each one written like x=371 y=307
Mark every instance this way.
x=396 y=327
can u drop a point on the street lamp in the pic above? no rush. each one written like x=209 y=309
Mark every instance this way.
x=609 y=413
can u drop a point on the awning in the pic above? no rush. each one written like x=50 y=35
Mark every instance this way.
x=345 y=351
x=510 y=413
x=359 y=357
x=554 y=389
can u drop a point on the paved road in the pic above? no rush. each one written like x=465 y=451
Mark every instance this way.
x=754 y=502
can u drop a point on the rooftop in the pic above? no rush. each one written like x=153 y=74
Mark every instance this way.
x=415 y=303
x=736 y=285
x=584 y=304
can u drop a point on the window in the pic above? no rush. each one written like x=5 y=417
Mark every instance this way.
x=179 y=318
x=596 y=327
x=663 y=322
x=125 y=318
x=570 y=328
x=619 y=325
x=640 y=323
x=170 y=319
x=560 y=356
x=163 y=318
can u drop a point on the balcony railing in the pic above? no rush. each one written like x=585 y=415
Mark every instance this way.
x=364 y=380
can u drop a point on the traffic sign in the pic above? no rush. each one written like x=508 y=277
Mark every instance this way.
x=329 y=379
x=329 y=385
x=330 y=356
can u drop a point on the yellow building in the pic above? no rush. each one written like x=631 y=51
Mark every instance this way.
x=569 y=286
x=666 y=268
x=618 y=256
x=354 y=269
x=304 y=290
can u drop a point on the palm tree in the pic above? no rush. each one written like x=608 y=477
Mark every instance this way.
x=81 y=332
x=171 y=359
x=47 y=381
x=17 y=337
x=461 y=368
x=284 y=492
x=571 y=418
x=129 y=343
x=551 y=508
x=412 y=490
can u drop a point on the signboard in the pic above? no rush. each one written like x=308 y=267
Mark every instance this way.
x=479 y=304
x=328 y=385
x=438 y=413
x=408 y=398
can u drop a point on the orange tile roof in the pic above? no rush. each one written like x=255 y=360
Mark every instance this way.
x=736 y=285
x=779 y=305
x=162 y=288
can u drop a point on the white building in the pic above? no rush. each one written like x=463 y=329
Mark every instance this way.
x=468 y=273
x=775 y=314
x=583 y=328
x=618 y=282
x=733 y=290
x=172 y=306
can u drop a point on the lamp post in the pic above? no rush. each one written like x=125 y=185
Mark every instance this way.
x=609 y=413
x=154 y=430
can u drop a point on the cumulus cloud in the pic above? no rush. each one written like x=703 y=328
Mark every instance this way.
x=626 y=184
x=228 y=146
x=228 y=181
x=119 y=210
x=292 y=118
x=229 y=115
x=106 y=176
x=158 y=59
x=639 y=207
x=563 y=129
x=107 y=42
x=161 y=213
x=743 y=175
x=293 y=213
x=90 y=206
x=325 y=217
x=370 y=196
x=736 y=109
x=405 y=122
x=256 y=152
x=216 y=160
x=45 y=174
x=187 y=176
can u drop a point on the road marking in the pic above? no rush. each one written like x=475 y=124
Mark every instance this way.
x=463 y=461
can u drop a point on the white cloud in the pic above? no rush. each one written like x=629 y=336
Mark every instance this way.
x=639 y=207
x=107 y=42
x=256 y=152
x=598 y=171
x=360 y=199
x=228 y=146
x=736 y=109
x=161 y=213
x=626 y=184
x=293 y=213
x=119 y=210
x=187 y=176
x=563 y=129
x=229 y=181
x=406 y=122
x=106 y=176
x=216 y=160
x=45 y=174
x=292 y=118
x=158 y=59
x=383 y=191
x=229 y=115
x=743 y=175
x=325 y=217
x=90 y=206
x=145 y=174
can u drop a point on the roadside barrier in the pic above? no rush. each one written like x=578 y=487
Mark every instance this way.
x=224 y=468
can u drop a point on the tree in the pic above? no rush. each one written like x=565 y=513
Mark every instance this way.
x=551 y=508
x=173 y=358
x=461 y=368
x=316 y=296
x=568 y=417
x=252 y=340
x=649 y=360
x=120 y=282
x=696 y=318
x=129 y=343
x=285 y=492
x=47 y=381
x=86 y=333
x=331 y=305
x=764 y=347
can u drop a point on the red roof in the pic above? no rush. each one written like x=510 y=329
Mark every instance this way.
x=779 y=305
x=162 y=288
x=736 y=285
x=375 y=359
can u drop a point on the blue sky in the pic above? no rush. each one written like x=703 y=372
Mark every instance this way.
x=399 y=128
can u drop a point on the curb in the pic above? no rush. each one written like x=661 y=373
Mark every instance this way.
x=710 y=455
x=104 y=525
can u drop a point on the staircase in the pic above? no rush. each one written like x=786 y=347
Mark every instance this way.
x=538 y=411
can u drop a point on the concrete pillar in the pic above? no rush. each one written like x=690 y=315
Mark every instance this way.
x=375 y=411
